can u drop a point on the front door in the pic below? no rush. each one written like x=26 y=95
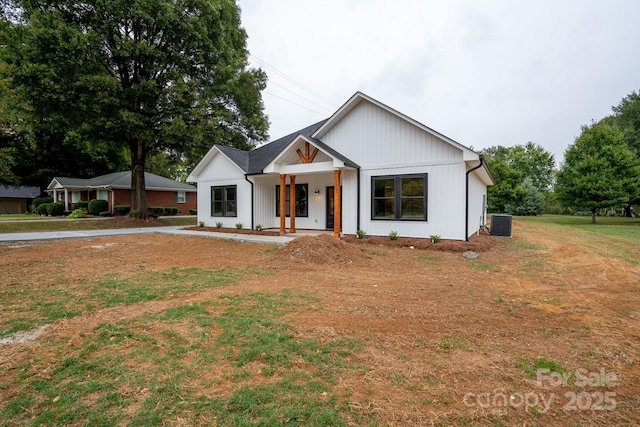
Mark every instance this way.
x=330 y=207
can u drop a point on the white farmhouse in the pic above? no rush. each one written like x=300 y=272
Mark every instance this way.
x=367 y=167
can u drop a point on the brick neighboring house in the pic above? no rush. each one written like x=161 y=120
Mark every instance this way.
x=116 y=189
x=17 y=200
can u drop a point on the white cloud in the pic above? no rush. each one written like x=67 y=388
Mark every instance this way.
x=482 y=72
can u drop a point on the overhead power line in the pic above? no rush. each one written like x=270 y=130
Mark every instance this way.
x=298 y=104
x=332 y=106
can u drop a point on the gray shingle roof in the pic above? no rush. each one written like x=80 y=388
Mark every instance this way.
x=21 y=192
x=253 y=162
x=123 y=180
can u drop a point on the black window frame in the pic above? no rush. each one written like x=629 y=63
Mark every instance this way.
x=224 y=200
x=300 y=203
x=397 y=197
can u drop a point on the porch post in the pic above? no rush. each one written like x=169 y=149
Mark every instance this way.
x=336 y=203
x=283 y=205
x=292 y=203
x=66 y=199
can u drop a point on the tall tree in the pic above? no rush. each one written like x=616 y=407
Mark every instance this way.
x=523 y=174
x=627 y=114
x=599 y=171
x=627 y=117
x=535 y=163
x=150 y=75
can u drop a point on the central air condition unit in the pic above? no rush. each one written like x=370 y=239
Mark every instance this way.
x=501 y=225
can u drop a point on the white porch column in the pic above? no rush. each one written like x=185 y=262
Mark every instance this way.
x=66 y=199
x=55 y=195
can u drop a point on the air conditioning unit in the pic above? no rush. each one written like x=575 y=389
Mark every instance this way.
x=501 y=225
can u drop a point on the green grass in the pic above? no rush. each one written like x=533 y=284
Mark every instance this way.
x=613 y=237
x=39 y=305
x=19 y=217
x=197 y=364
x=29 y=225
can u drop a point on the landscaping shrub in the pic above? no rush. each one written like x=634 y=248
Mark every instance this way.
x=83 y=204
x=42 y=209
x=171 y=211
x=122 y=209
x=105 y=213
x=42 y=200
x=55 y=209
x=156 y=210
x=96 y=206
x=193 y=211
x=77 y=213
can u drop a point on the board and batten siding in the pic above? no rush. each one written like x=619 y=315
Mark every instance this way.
x=373 y=137
x=222 y=172
x=477 y=204
x=384 y=144
x=265 y=201
x=445 y=203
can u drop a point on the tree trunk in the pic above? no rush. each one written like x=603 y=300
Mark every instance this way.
x=627 y=211
x=593 y=216
x=138 y=187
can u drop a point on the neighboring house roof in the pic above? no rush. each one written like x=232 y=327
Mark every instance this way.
x=120 y=180
x=21 y=192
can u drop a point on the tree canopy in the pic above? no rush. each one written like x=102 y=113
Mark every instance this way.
x=152 y=76
x=523 y=173
x=599 y=171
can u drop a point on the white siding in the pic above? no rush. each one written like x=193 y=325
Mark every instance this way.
x=384 y=144
x=222 y=172
x=477 y=196
x=445 y=204
x=265 y=201
x=373 y=137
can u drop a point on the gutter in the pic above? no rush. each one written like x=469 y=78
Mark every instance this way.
x=246 y=178
x=466 y=207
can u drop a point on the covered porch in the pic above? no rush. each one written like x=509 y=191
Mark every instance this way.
x=306 y=187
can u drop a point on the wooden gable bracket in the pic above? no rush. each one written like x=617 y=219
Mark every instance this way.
x=306 y=158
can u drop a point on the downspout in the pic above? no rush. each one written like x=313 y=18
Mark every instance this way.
x=466 y=207
x=247 y=179
x=358 y=198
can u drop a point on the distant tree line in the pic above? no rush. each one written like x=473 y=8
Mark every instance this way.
x=600 y=171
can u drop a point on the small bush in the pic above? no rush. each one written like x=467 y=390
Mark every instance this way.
x=42 y=209
x=258 y=227
x=201 y=224
x=193 y=211
x=156 y=210
x=82 y=204
x=360 y=234
x=122 y=209
x=97 y=205
x=239 y=225
x=218 y=224
x=55 y=209
x=171 y=211
x=42 y=200
x=77 y=213
x=435 y=238
x=105 y=213
x=393 y=235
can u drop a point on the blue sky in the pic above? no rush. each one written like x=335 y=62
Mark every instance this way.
x=484 y=72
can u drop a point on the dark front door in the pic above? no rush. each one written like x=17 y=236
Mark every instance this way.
x=330 y=207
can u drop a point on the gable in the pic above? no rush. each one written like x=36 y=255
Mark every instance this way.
x=374 y=136
x=215 y=165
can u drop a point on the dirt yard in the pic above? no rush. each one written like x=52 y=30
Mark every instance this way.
x=445 y=340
